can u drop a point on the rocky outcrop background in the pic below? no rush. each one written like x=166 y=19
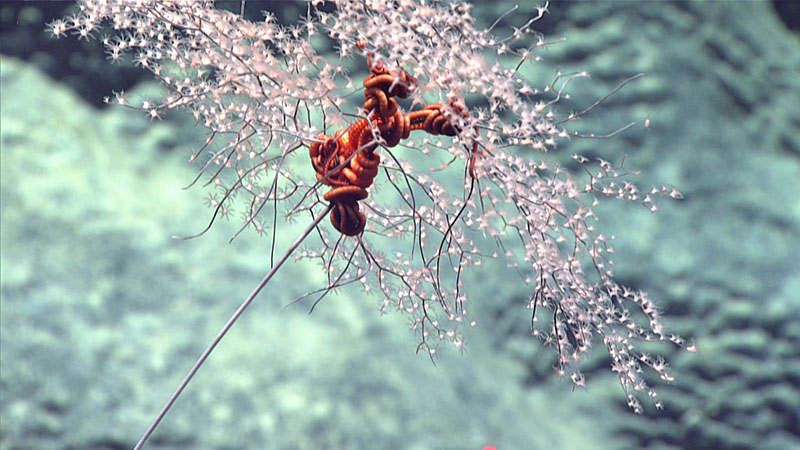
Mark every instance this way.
x=102 y=312
x=722 y=97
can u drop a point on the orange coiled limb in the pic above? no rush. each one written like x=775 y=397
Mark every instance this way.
x=348 y=163
x=345 y=216
x=349 y=182
x=432 y=120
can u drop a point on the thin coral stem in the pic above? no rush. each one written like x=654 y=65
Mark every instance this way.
x=228 y=326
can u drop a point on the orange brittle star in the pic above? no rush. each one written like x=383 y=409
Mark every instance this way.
x=347 y=161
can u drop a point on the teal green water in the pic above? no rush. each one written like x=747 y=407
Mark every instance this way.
x=103 y=312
